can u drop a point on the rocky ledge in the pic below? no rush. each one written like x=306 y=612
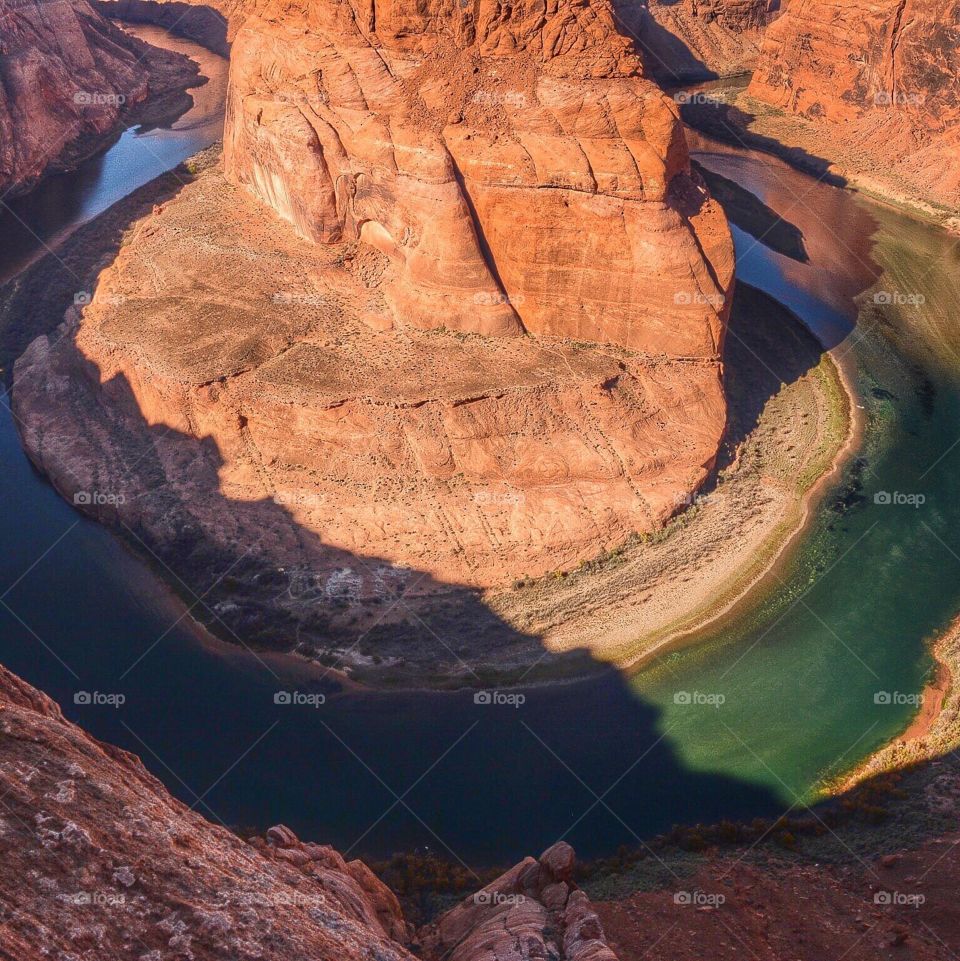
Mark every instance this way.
x=100 y=862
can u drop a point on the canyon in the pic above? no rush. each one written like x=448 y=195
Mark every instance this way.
x=70 y=81
x=449 y=321
x=698 y=39
x=872 y=88
x=100 y=861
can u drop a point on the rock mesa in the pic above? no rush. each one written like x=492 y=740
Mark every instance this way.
x=458 y=311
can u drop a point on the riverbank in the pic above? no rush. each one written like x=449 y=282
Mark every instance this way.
x=723 y=110
x=933 y=732
x=793 y=427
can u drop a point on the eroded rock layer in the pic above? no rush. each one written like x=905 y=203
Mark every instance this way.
x=485 y=343
x=512 y=164
x=67 y=77
x=879 y=81
x=100 y=862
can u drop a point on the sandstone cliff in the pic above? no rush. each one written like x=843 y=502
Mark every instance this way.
x=878 y=84
x=485 y=343
x=100 y=862
x=68 y=78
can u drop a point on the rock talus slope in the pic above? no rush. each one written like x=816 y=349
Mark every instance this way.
x=879 y=83
x=459 y=320
x=100 y=862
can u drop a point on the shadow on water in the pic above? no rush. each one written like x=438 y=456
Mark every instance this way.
x=730 y=125
x=668 y=57
x=601 y=762
x=753 y=216
x=372 y=772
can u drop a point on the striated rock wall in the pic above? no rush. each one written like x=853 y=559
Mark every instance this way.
x=67 y=79
x=879 y=83
x=100 y=862
x=515 y=167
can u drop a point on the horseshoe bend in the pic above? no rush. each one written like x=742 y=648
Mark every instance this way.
x=446 y=432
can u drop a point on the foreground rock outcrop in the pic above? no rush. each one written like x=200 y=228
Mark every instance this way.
x=68 y=80
x=485 y=344
x=878 y=87
x=100 y=862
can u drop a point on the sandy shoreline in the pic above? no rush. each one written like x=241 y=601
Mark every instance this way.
x=718 y=553
x=933 y=731
x=808 y=504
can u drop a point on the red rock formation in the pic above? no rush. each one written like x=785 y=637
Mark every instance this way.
x=67 y=78
x=533 y=911
x=100 y=862
x=459 y=182
x=879 y=82
x=514 y=167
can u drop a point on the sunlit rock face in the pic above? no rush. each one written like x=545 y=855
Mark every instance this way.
x=514 y=165
x=880 y=78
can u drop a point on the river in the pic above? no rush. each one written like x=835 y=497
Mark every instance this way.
x=803 y=675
